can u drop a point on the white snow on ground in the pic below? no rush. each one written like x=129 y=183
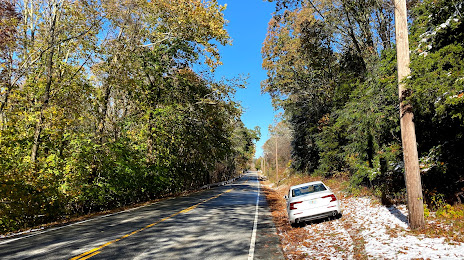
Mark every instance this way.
x=324 y=237
x=382 y=231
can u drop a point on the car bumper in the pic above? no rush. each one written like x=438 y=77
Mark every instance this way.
x=297 y=217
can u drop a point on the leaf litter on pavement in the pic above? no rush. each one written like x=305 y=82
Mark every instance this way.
x=367 y=230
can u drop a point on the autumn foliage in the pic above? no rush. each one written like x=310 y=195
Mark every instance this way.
x=108 y=103
x=331 y=66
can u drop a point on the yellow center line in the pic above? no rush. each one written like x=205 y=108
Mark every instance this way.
x=96 y=250
x=89 y=256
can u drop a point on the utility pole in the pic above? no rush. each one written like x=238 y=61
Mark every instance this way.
x=408 y=133
x=267 y=172
x=262 y=164
x=277 y=164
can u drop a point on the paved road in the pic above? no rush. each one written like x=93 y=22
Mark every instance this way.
x=227 y=222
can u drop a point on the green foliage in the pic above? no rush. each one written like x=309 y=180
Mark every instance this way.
x=426 y=211
x=437 y=201
x=437 y=95
x=95 y=117
x=450 y=212
x=341 y=97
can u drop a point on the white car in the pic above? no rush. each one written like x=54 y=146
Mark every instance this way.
x=312 y=200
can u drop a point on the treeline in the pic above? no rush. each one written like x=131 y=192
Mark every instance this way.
x=277 y=153
x=106 y=103
x=331 y=66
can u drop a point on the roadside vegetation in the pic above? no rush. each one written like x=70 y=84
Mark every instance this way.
x=365 y=222
x=109 y=103
x=332 y=69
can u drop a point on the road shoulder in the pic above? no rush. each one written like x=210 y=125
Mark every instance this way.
x=268 y=244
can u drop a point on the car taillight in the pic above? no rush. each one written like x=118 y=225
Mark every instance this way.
x=333 y=198
x=292 y=204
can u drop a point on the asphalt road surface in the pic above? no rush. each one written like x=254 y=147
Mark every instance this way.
x=226 y=222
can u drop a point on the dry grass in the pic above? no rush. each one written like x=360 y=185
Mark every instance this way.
x=449 y=225
x=277 y=206
x=291 y=237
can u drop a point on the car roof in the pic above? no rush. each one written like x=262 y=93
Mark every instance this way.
x=306 y=184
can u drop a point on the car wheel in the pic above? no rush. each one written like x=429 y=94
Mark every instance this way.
x=298 y=225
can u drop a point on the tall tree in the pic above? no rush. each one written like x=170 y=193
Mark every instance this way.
x=106 y=105
x=9 y=20
x=437 y=70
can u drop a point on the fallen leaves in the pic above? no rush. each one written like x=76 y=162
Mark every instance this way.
x=367 y=230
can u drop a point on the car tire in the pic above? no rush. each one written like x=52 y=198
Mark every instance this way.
x=298 y=225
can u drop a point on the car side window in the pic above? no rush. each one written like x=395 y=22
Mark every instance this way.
x=296 y=192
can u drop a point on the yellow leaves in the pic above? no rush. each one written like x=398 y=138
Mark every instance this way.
x=450 y=212
x=158 y=22
x=197 y=21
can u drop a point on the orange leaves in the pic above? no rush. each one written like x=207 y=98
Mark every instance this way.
x=324 y=121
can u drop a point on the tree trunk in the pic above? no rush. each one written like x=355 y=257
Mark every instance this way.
x=370 y=150
x=150 y=141
x=351 y=33
x=3 y=106
x=102 y=117
x=46 y=100
x=384 y=21
x=408 y=134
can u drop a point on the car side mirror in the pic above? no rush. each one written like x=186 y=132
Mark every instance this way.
x=286 y=197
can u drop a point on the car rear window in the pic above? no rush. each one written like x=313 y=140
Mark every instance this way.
x=308 y=189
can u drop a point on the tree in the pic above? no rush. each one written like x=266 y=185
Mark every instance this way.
x=9 y=20
x=277 y=148
x=436 y=96
x=103 y=105
x=343 y=114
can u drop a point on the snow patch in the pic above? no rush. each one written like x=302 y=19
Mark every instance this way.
x=330 y=240
x=384 y=231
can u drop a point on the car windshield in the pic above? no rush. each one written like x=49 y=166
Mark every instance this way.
x=308 y=189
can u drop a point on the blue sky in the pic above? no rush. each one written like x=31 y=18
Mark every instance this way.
x=247 y=27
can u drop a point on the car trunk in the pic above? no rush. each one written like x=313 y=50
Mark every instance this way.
x=313 y=200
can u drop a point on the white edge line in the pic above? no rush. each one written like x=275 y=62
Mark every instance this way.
x=251 y=252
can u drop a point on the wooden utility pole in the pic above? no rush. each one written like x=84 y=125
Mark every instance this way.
x=408 y=132
x=267 y=172
x=277 y=164
x=262 y=164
